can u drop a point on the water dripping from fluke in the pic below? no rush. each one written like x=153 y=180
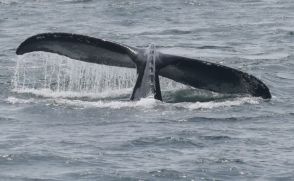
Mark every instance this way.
x=45 y=73
x=54 y=76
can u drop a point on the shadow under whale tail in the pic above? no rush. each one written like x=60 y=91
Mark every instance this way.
x=149 y=63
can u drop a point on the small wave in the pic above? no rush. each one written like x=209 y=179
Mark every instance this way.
x=160 y=141
x=14 y=100
x=222 y=160
x=168 y=173
x=20 y=158
x=175 y=32
x=216 y=137
x=77 y=1
x=6 y=119
x=229 y=160
x=167 y=32
x=206 y=119
x=6 y=157
x=286 y=75
x=214 y=47
x=9 y=2
x=26 y=178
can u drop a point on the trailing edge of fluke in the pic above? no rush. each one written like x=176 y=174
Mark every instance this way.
x=149 y=63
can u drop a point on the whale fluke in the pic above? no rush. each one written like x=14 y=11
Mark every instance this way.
x=149 y=64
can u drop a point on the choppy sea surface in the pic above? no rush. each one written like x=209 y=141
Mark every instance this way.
x=89 y=131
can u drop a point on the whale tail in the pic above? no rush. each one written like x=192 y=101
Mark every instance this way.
x=149 y=64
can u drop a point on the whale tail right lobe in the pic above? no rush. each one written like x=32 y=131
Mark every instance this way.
x=150 y=65
x=210 y=76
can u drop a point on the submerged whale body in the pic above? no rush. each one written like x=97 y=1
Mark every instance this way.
x=149 y=63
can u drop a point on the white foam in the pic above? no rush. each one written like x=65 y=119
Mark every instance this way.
x=215 y=104
x=72 y=94
x=151 y=103
x=14 y=100
x=143 y=103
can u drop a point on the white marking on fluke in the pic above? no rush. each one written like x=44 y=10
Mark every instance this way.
x=151 y=55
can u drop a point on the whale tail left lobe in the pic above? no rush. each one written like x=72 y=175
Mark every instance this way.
x=100 y=51
x=149 y=63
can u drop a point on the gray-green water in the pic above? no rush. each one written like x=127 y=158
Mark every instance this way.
x=80 y=135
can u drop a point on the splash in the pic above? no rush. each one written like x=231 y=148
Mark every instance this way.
x=51 y=75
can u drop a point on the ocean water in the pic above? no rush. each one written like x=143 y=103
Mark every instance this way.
x=88 y=130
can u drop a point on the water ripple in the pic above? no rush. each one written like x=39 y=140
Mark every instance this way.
x=168 y=173
x=164 y=141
